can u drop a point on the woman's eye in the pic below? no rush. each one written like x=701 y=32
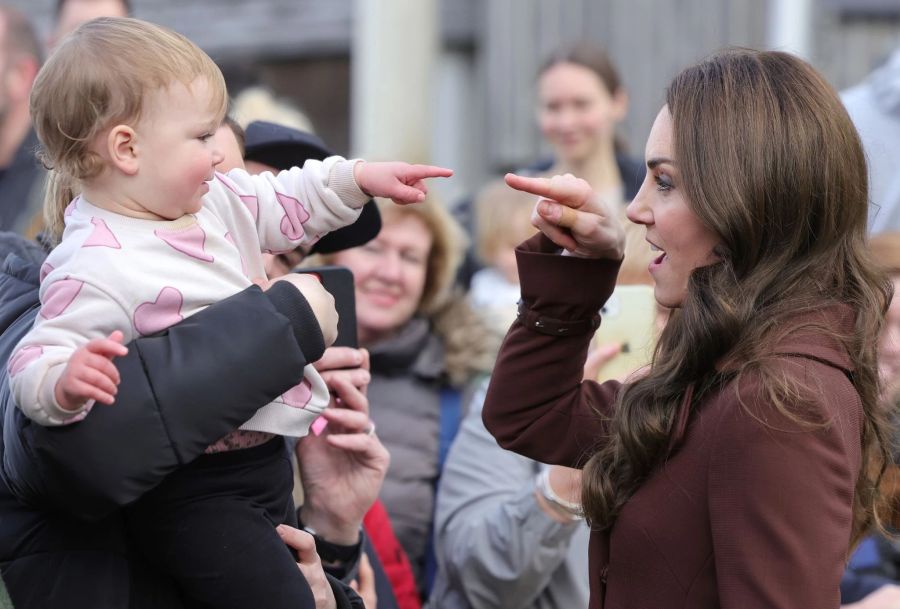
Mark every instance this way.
x=205 y=137
x=662 y=183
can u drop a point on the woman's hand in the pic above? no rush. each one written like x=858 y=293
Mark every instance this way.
x=573 y=217
x=309 y=565
x=342 y=470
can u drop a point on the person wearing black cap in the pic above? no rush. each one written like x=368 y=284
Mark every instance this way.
x=77 y=533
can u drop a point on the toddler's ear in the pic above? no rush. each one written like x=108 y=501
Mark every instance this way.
x=121 y=145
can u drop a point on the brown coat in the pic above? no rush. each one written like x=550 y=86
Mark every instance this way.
x=751 y=511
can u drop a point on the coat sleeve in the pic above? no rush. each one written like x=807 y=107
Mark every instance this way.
x=780 y=495
x=494 y=543
x=537 y=404
x=181 y=390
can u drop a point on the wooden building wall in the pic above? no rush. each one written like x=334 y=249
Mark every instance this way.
x=299 y=46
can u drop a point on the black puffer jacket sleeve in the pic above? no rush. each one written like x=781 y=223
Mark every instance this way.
x=180 y=391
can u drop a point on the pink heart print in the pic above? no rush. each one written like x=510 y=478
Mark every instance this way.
x=165 y=311
x=189 y=241
x=101 y=236
x=24 y=356
x=59 y=296
x=46 y=268
x=295 y=215
x=250 y=201
x=298 y=396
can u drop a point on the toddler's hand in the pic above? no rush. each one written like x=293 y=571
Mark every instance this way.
x=320 y=300
x=401 y=182
x=90 y=373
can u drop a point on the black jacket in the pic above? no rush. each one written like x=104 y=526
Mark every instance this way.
x=180 y=391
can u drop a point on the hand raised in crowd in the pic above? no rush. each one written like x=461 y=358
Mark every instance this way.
x=320 y=300
x=90 y=373
x=401 y=182
x=598 y=357
x=343 y=468
x=572 y=216
x=309 y=564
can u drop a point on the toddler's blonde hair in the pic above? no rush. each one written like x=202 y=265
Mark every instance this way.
x=502 y=219
x=98 y=78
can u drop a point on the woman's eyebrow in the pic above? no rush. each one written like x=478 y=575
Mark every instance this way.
x=652 y=163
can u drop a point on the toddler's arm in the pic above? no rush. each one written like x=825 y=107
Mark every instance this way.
x=63 y=364
x=298 y=206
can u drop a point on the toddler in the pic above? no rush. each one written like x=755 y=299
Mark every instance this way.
x=126 y=112
x=502 y=221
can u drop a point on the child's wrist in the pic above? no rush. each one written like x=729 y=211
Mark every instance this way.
x=64 y=402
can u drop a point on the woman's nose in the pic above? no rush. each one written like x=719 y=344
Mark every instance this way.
x=389 y=267
x=637 y=211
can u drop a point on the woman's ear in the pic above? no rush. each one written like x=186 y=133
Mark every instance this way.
x=121 y=145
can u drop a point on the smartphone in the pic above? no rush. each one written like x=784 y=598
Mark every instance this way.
x=629 y=318
x=338 y=280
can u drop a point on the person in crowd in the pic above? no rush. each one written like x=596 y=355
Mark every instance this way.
x=21 y=175
x=61 y=495
x=874 y=106
x=69 y=14
x=502 y=221
x=871 y=579
x=260 y=103
x=581 y=101
x=741 y=466
x=135 y=133
x=426 y=348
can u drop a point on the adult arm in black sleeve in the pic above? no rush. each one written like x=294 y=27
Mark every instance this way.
x=180 y=391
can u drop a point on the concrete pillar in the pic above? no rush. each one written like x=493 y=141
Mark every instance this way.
x=395 y=45
x=790 y=26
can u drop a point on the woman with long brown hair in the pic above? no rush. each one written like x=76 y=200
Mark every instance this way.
x=741 y=467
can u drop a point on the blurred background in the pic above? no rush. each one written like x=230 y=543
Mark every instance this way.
x=452 y=81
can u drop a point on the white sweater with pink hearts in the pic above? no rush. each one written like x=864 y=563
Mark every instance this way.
x=113 y=272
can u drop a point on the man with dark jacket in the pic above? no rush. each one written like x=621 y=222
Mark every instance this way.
x=62 y=542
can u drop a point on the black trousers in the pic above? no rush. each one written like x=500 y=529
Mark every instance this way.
x=211 y=527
